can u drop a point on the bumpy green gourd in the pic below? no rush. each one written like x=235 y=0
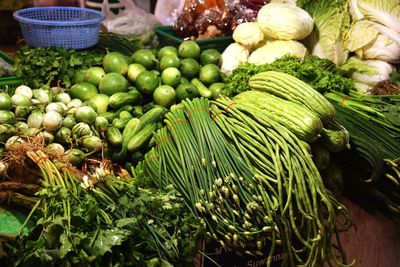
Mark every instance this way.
x=290 y=88
x=304 y=123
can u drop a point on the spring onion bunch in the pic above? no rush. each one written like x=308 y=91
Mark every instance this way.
x=194 y=156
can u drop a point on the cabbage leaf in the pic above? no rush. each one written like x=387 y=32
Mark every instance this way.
x=273 y=50
x=361 y=33
x=370 y=40
x=386 y=12
x=367 y=72
x=332 y=20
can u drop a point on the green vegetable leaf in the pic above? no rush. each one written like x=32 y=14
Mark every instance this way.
x=107 y=239
x=322 y=74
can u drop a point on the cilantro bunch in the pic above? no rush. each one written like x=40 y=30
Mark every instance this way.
x=115 y=222
x=38 y=66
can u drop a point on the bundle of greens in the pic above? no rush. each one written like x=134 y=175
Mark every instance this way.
x=104 y=220
x=39 y=66
x=306 y=211
x=109 y=42
x=252 y=193
x=322 y=74
x=372 y=173
x=217 y=185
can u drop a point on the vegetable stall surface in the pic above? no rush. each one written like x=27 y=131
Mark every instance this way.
x=256 y=169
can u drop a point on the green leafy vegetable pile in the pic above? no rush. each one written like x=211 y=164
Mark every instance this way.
x=38 y=66
x=105 y=220
x=322 y=74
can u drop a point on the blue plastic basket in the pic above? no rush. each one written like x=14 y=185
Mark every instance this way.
x=68 y=27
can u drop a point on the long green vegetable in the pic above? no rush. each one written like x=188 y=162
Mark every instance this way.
x=373 y=173
x=288 y=174
x=243 y=206
x=194 y=156
x=109 y=42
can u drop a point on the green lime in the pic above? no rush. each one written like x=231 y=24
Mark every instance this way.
x=169 y=61
x=134 y=70
x=116 y=62
x=186 y=90
x=145 y=57
x=189 y=49
x=93 y=75
x=113 y=83
x=216 y=89
x=167 y=50
x=189 y=68
x=210 y=56
x=164 y=95
x=147 y=82
x=209 y=74
x=79 y=76
x=171 y=76
x=83 y=91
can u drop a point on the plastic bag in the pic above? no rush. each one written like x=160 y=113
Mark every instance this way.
x=129 y=21
x=167 y=11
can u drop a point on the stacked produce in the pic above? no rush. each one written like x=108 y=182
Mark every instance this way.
x=102 y=116
x=355 y=35
x=276 y=32
x=357 y=114
x=362 y=35
x=100 y=217
x=128 y=155
x=102 y=113
x=241 y=204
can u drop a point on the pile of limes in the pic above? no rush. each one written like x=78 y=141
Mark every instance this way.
x=166 y=75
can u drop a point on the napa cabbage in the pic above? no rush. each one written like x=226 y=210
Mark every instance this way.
x=284 y=21
x=331 y=22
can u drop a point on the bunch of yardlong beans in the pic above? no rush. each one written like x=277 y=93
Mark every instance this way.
x=195 y=156
x=308 y=216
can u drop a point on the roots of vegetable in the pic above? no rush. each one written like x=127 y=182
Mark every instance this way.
x=19 y=167
x=385 y=88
